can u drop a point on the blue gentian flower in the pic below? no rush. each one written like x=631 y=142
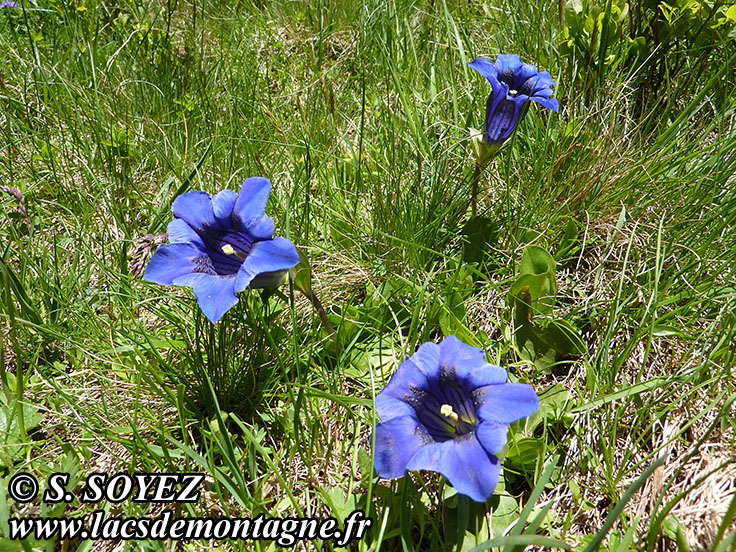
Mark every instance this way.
x=447 y=410
x=9 y=4
x=514 y=83
x=221 y=245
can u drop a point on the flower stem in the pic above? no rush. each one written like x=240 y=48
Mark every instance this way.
x=474 y=191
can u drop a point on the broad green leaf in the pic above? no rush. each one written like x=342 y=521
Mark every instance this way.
x=365 y=465
x=536 y=285
x=480 y=233
x=569 y=239
x=554 y=402
x=546 y=344
x=524 y=453
x=564 y=338
x=10 y=438
x=505 y=512
x=731 y=13
x=452 y=317
x=340 y=504
x=530 y=345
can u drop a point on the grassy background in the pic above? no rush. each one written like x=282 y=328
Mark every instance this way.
x=359 y=115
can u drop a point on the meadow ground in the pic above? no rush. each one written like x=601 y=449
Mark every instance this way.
x=359 y=114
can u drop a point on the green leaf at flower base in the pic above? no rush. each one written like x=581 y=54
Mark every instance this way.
x=374 y=357
x=345 y=323
x=530 y=345
x=483 y=152
x=380 y=357
x=536 y=285
x=674 y=530
x=523 y=454
x=466 y=521
x=545 y=342
x=563 y=337
x=301 y=274
x=554 y=403
x=452 y=316
x=452 y=313
x=540 y=341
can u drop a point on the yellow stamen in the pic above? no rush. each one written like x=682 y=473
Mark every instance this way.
x=447 y=411
x=513 y=92
x=228 y=249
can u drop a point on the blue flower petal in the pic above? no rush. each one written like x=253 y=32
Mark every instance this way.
x=266 y=256
x=389 y=407
x=397 y=440
x=465 y=464
x=251 y=203
x=551 y=104
x=427 y=359
x=195 y=208
x=524 y=73
x=250 y=206
x=536 y=83
x=508 y=65
x=261 y=228
x=499 y=91
x=545 y=92
x=203 y=230
x=514 y=83
x=416 y=431
x=501 y=121
x=505 y=403
x=469 y=364
x=170 y=262
x=492 y=436
x=408 y=377
x=454 y=352
x=485 y=67
x=223 y=204
x=215 y=294
x=180 y=232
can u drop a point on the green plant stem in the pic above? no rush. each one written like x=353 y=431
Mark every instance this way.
x=474 y=191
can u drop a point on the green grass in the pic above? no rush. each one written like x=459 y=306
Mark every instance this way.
x=359 y=115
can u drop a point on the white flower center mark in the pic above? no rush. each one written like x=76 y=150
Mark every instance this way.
x=513 y=92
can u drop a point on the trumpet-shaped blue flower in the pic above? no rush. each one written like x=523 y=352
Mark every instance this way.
x=221 y=245
x=447 y=410
x=514 y=83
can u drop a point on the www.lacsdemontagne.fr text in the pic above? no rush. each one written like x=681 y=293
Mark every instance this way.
x=284 y=531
